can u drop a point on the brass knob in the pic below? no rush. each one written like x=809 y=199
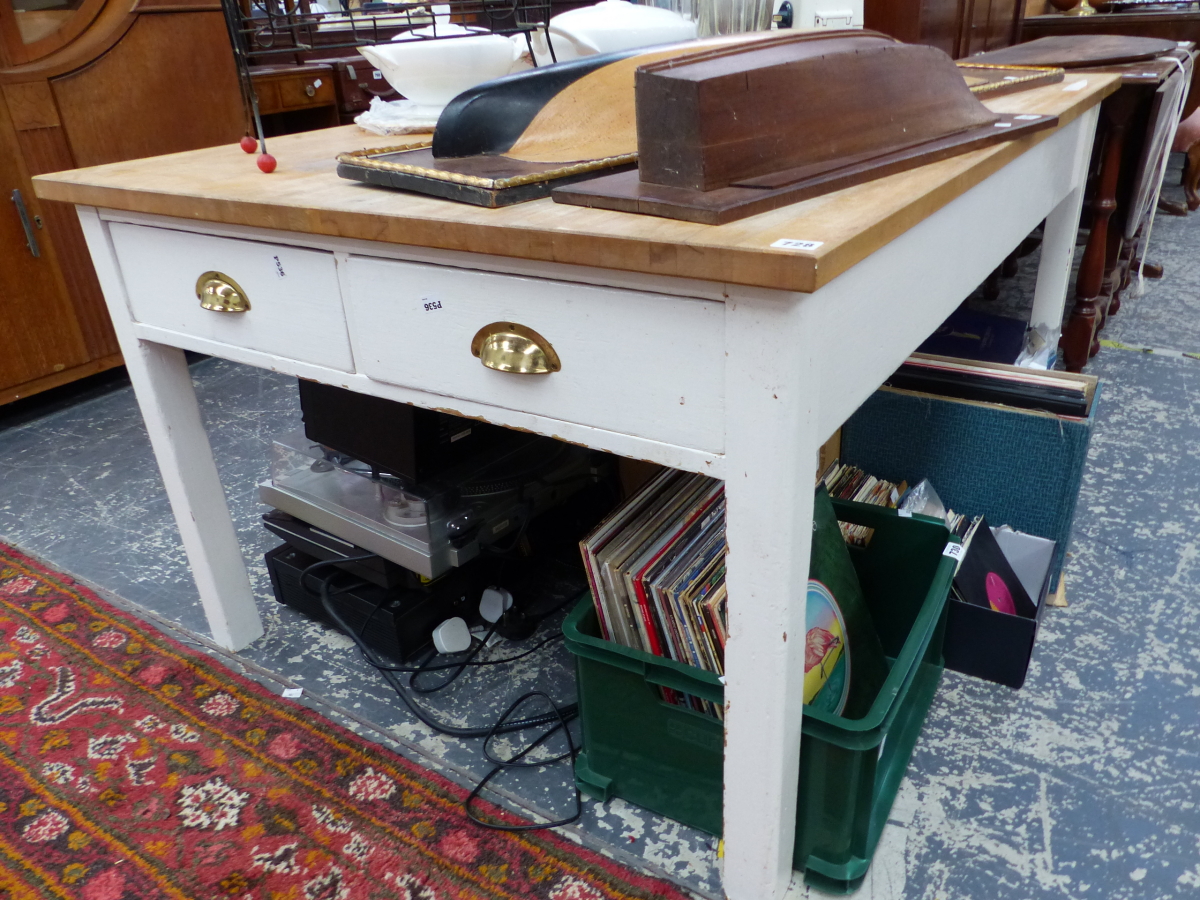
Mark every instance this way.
x=509 y=347
x=220 y=293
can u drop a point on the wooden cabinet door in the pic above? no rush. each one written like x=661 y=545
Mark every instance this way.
x=974 y=27
x=941 y=21
x=135 y=101
x=988 y=25
x=1002 y=24
x=38 y=332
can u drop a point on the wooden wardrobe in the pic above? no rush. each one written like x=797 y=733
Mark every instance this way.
x=86 y=82
x=960 y=27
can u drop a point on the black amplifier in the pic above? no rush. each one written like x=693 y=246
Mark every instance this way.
x=396 y=622
x=402 y=440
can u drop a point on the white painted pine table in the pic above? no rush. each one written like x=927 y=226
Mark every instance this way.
x=704 y=348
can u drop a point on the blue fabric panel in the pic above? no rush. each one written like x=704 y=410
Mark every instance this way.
x=1016 y=468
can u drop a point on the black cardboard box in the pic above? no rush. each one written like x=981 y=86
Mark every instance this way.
x=996 y=646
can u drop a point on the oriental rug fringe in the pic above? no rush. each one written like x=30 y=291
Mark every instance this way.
x=134 y=767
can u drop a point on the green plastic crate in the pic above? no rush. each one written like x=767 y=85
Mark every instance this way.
x=668 y=759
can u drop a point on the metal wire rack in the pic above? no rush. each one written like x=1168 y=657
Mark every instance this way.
x=267 y=30
x=263 y=32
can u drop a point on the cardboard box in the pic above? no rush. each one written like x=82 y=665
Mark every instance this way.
x=993 y=645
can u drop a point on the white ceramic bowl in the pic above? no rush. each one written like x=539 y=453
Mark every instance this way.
x=434 y=72
x=609 y=26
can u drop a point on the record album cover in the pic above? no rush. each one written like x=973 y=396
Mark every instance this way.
x=976 y=335
x=844 y=665
x=986 y=579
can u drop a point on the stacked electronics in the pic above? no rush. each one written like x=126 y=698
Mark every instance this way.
x=419 y=513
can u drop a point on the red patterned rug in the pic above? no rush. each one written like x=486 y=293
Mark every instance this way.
x=134 y=767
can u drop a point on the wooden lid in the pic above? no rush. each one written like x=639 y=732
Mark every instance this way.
x=1077 y=51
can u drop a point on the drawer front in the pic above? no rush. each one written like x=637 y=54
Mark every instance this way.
x=309 y=90
x=295 y=303
x=642 y=364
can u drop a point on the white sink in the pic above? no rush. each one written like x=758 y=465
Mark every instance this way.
x=433 y=71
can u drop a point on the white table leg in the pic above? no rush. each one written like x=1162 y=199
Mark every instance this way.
x=168 y=402
x=771 y=446
x=1058 y=240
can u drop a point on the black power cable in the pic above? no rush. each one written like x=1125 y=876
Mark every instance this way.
x=516 y=763
x=389 y=672
x=558 y=718
x=458 y=667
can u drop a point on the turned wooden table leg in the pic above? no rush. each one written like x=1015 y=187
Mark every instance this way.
x=1191 y=177
x=991 y=286
x=1080 y=340
x=1112 y=307
x=1115 y=265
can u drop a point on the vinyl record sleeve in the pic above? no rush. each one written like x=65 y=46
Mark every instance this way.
x=613 y=626
x=633 y=542
x=711 y=648
x=707 y=552
x=714 y=607
x=985 y=577
x=977 y=335
x=703 y=538
x=659 y=553
x=844 y=665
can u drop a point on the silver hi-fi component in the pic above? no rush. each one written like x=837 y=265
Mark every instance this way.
x=432 y=526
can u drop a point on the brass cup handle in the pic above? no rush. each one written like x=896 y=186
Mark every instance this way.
x=509 y=347
x=220 y=293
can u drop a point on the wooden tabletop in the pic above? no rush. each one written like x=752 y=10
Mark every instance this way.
x=1154 y=71
x=222 y=184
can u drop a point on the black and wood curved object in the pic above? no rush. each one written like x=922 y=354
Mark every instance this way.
x=489 y=118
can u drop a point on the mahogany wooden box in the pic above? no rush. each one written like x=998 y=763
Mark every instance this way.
x=720 y=117
x=732 y=131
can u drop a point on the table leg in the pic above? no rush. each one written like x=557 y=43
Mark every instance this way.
x=1191 y=177
x=1110 y=290
x=1080 y=339
x=1054 y=268
x=164 y=390
x=1058 y=243
x=771 y=446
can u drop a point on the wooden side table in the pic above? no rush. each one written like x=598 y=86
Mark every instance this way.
x=295 y=97
x=1174 y=25
x=1120 y=163
x=356 y=82
x=1126 y=168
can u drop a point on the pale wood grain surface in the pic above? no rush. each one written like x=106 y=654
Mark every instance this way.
x=222 y=184
x=600 y=106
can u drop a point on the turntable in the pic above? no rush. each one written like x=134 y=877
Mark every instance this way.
x=431 y=526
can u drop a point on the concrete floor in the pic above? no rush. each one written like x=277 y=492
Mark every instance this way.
x=1083 y=784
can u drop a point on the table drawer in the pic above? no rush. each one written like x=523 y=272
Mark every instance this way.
x=643 y=364
x=295 y=303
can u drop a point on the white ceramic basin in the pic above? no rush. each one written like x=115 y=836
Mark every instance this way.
x=434 y=72
x=609 y=26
